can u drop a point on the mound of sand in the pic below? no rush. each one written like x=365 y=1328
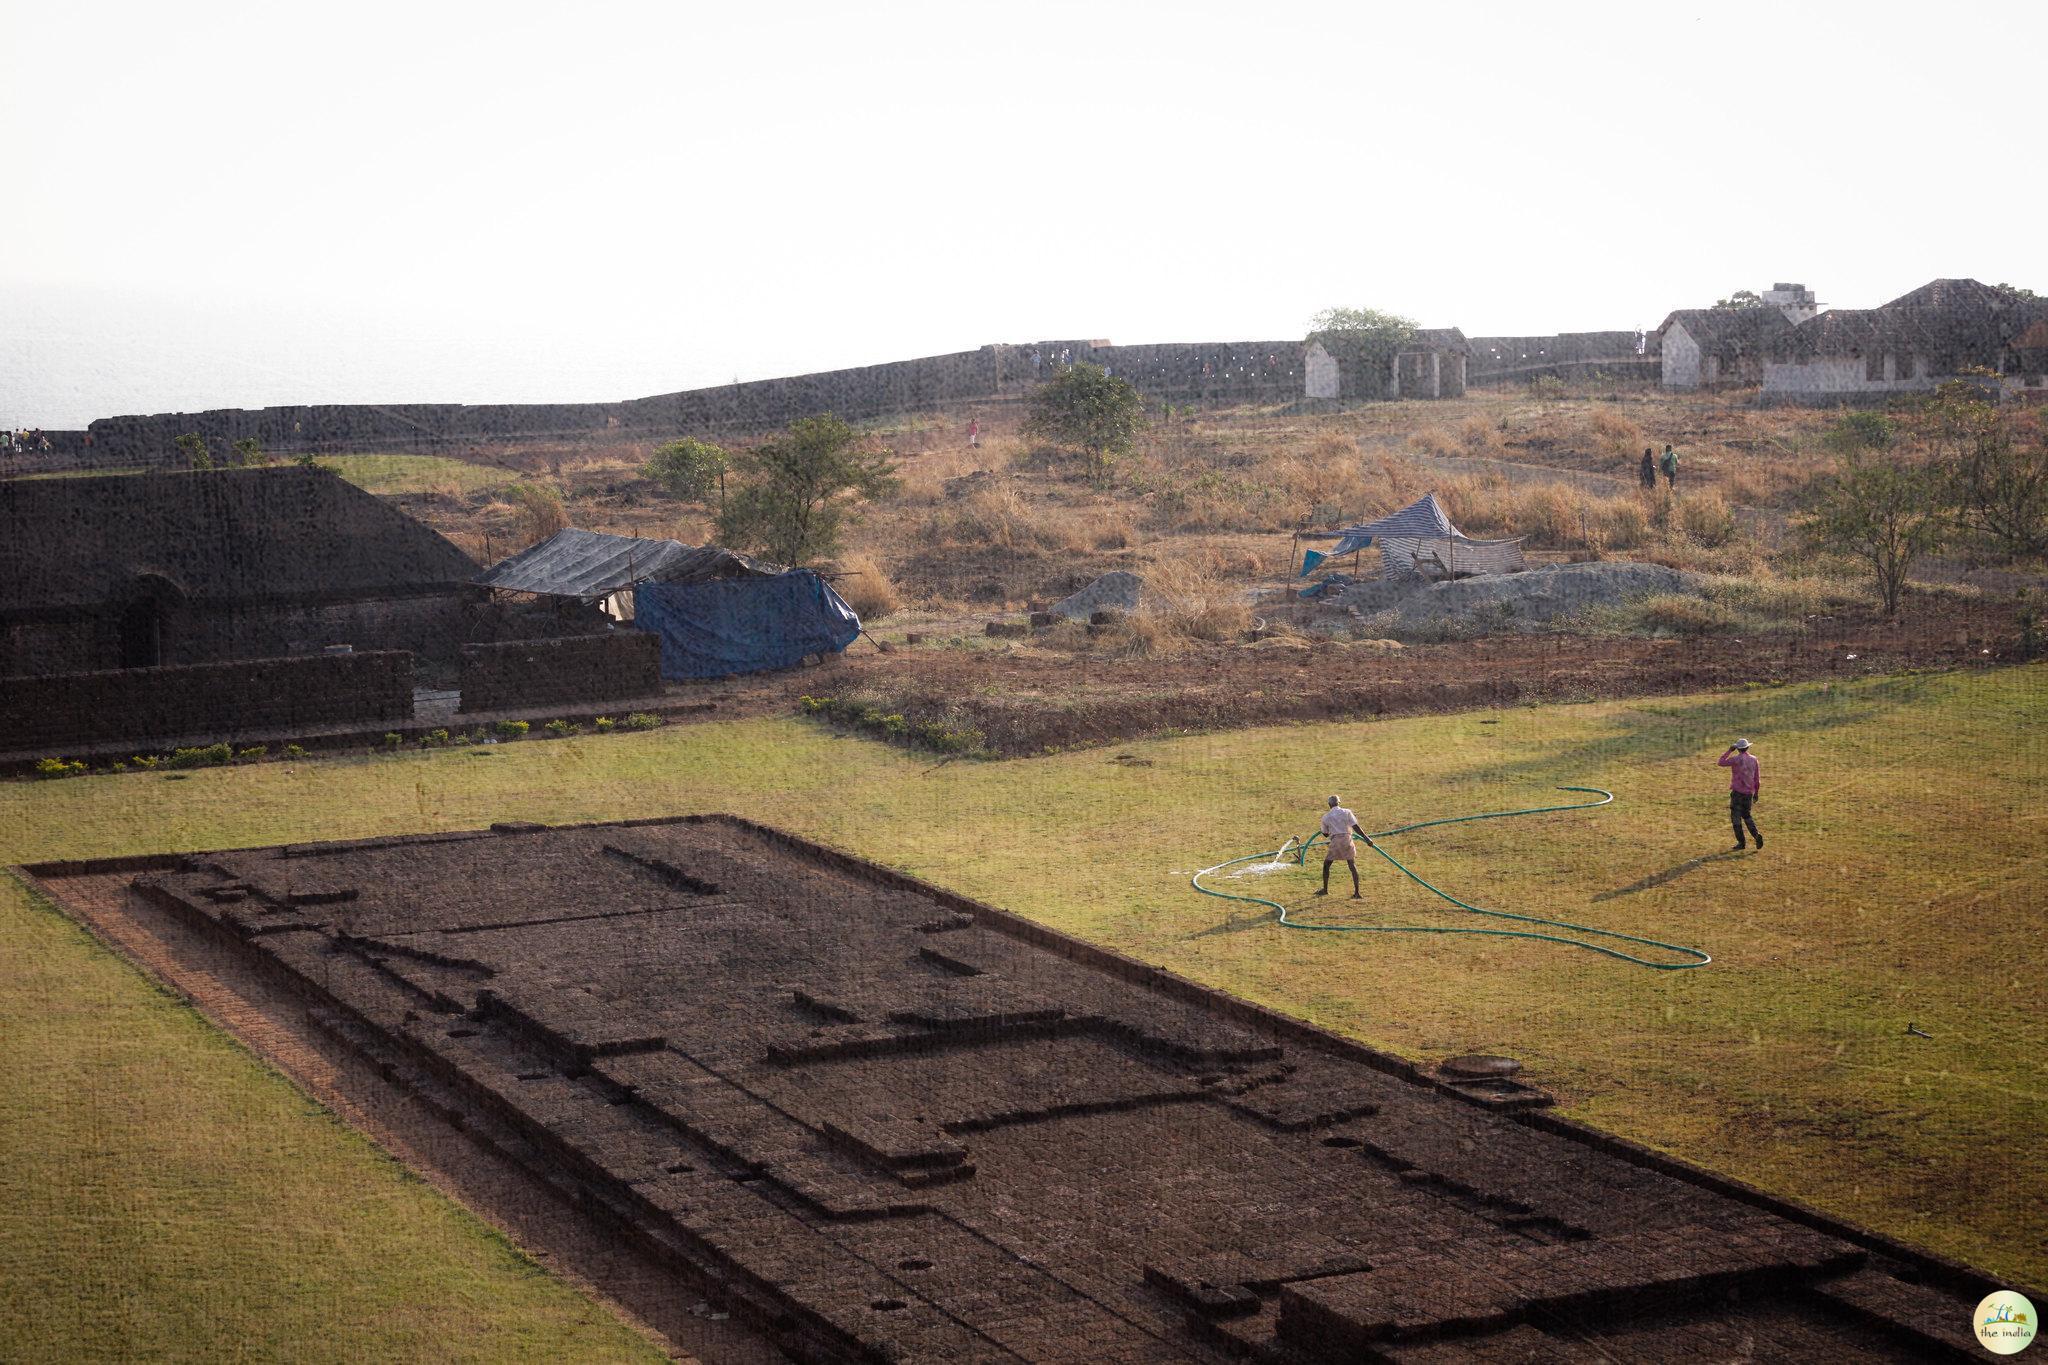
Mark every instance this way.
x=1115 y=591
x=1510 y=601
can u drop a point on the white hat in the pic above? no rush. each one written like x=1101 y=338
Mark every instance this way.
x=1742 y=744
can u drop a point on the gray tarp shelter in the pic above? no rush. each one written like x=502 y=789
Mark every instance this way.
x=591 y=565
x=717 y=612
x=1420 y=540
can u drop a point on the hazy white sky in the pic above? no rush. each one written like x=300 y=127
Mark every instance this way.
x=211 y=205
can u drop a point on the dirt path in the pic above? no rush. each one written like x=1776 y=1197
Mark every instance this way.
x=272 y=1021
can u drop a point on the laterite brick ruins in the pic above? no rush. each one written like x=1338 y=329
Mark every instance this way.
x=882 y=1122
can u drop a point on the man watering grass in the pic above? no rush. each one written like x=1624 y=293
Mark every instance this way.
x=1743 y=783
x=1339 y=825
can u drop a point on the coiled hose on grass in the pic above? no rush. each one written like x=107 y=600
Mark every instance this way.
x=1300 y=851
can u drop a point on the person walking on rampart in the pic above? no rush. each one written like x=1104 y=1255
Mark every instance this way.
x=1339 y=825
x=1649 y=471
x=1670 y=466
x=1743 y=784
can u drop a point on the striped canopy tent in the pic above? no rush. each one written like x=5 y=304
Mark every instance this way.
x=1419 y=540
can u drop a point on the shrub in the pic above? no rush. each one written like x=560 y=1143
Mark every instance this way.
x=1624 y=523
x=1863 y=429
x=392 y=739
x=641 y=720
x=1087 y=409
x=117 y=767
x=211 y=756
x=294 y=751
x=57 y=767
x=433 y=739
x=540 y=509
x=145 y=761
x=867 y=589
x=799 y=487
x=604 y=725
x=562 y=729
x=689 y=469
x=1705 y=517
x=253 y=753
x=511 y=729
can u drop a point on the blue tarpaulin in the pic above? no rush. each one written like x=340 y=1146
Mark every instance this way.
x=1309 y=560
x=743 y=625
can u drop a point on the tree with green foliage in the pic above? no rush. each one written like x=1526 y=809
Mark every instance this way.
x=1088 y=409
x=1884 y=511
x=1997 y=469
x=689 y=469
x=2016 y=292
x=248 y=453
x=796 y=490
x=1741 y=298
x=1863 y=429
x=1364 y=342
x=193 y=447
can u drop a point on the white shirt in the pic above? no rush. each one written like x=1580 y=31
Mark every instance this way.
x=1338 y=821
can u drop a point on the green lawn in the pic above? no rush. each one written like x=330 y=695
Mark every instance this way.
x=1902 y=884
x=387 y=474
x=166 y=1195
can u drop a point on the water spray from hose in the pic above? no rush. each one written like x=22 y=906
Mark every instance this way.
x=1280 y=858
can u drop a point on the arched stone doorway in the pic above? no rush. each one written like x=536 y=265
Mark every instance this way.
x=146 y=619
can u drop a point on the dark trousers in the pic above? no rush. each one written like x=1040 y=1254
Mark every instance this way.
x=1739 y=806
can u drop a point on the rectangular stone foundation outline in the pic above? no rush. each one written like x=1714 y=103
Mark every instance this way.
x=735 y=1163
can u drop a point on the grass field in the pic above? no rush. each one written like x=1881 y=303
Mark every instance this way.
x=388 y=474
x=1902 y=884
x=167 y=1196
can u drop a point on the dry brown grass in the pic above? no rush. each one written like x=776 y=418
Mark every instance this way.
x=539 y=509
x=1001 y=516
x=1434 y=440
x=1480 y=439
x=1552 y=516
x=1286 y=484
x=1187 y=601
x=867 y=588
x=1704 y=518
x=924 y=477
x=1615 y=437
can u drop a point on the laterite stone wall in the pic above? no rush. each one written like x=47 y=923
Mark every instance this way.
x=205 y=701
x=619 y=663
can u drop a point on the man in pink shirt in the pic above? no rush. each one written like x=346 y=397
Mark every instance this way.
x=1743 y=781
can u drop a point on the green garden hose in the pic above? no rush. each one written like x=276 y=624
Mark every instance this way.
x=1300 y=851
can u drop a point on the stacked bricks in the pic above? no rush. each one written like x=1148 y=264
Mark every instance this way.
x=579 y=668
x=205 y=701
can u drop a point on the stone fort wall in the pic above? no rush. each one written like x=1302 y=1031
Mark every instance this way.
x=1191 y=372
